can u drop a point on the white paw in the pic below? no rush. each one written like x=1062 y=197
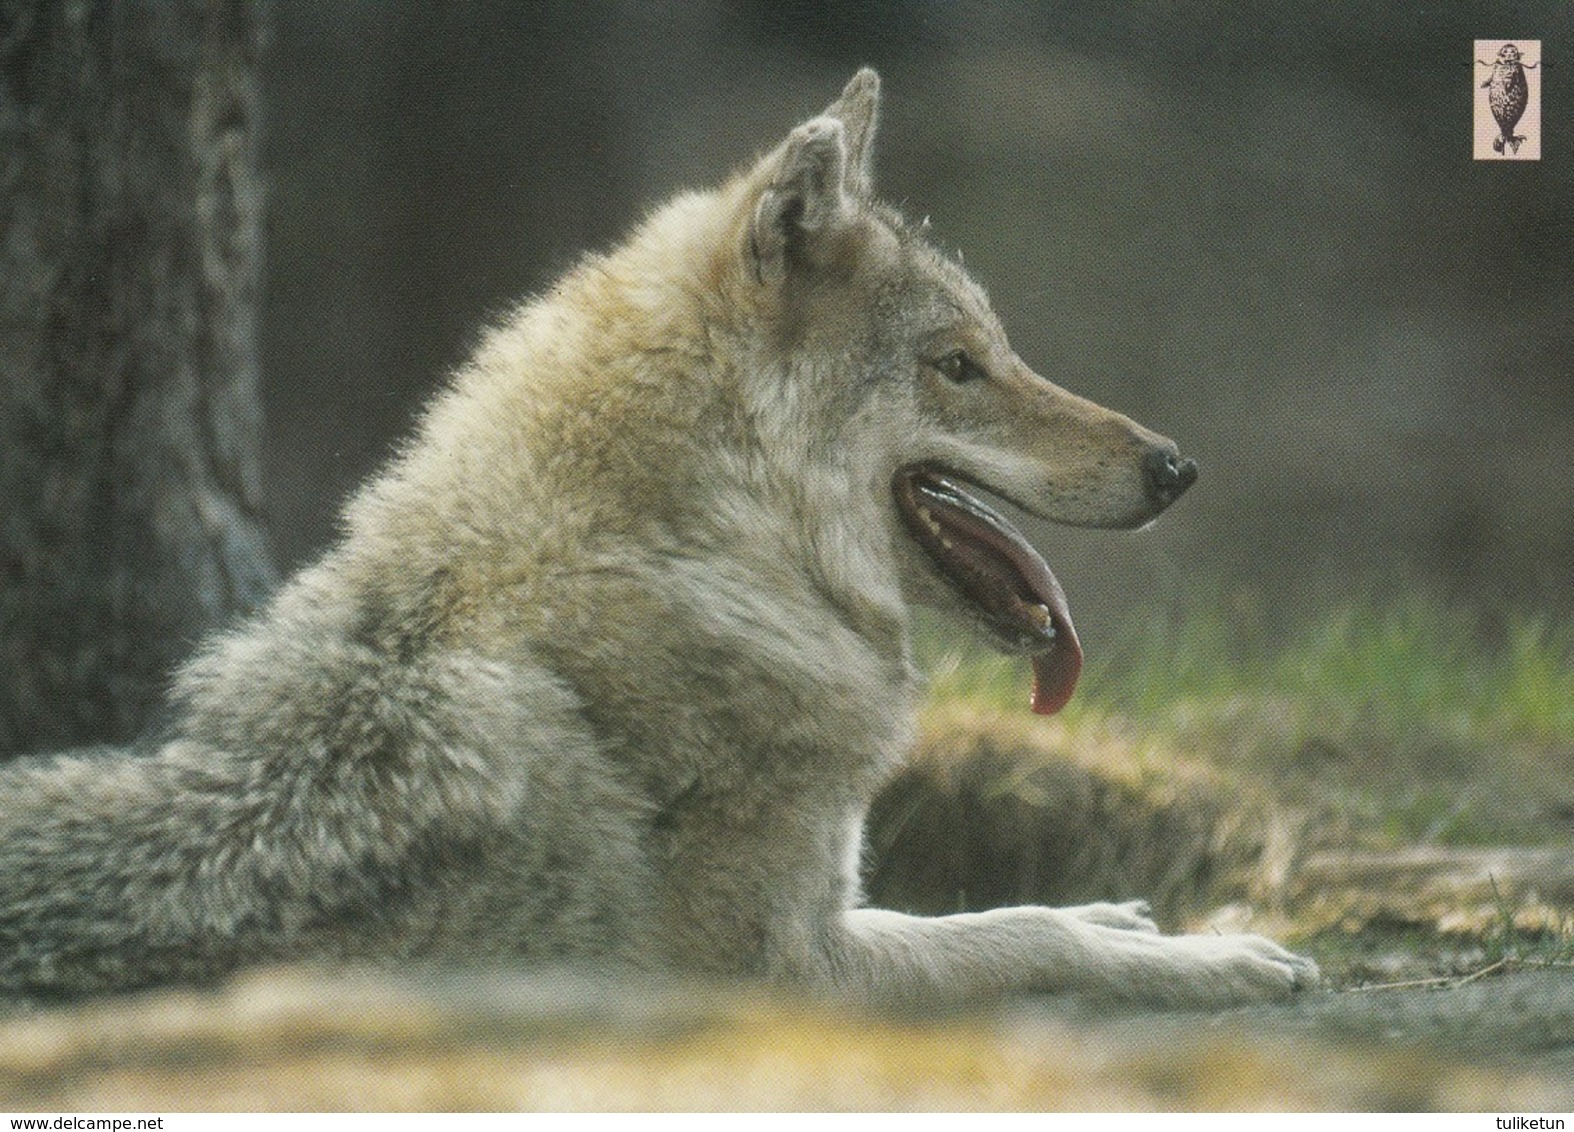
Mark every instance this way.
x=1128 y=915
x=1233 y=970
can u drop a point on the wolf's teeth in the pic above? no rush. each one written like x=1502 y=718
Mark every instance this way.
x=1039 y=615
x=945 y=542
x=929 y=521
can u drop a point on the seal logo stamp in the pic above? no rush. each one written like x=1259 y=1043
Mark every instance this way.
x=1508 y=100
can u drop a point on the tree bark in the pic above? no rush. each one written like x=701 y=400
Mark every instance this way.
x=130 y=256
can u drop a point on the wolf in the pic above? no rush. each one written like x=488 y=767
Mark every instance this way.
x=613 y=655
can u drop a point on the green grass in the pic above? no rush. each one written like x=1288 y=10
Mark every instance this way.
x=1404 y=666
x=1414 y=667
x=1406 y=721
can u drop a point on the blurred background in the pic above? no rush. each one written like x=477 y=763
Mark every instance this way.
x=1256 y=229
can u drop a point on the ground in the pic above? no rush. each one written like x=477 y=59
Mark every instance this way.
x=295 y=1039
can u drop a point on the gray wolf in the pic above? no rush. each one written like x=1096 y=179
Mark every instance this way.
x=613 y=655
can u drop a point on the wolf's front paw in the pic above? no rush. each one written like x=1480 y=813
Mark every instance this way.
x=1240 y=969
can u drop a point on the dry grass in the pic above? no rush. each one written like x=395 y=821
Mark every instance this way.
x=309 y=1040
x=999 y=809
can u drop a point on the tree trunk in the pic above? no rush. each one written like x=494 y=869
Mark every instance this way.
x=129 y=415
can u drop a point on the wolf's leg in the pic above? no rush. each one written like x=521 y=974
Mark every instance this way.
x=889 y=957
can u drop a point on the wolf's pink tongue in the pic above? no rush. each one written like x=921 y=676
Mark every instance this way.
x=1055 y=676
x=1055 y=670
x=993 y=563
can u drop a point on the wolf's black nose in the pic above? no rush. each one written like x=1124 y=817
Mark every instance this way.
x=1168 y=474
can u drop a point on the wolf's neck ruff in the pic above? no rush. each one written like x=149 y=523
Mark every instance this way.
x=992 y=564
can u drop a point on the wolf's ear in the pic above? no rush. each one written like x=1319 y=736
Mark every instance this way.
x=814 y=181
x=805 y=202
x=858 y=109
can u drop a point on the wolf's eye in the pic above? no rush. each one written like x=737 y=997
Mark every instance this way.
x=958 y=367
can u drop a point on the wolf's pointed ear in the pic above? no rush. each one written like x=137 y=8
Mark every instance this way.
x=813 y=182
x=858 y=109
x=805 y=201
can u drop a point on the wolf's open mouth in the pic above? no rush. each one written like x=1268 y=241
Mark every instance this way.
x=993 y=565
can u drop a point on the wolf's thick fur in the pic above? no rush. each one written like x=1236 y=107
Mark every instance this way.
x=612 y=658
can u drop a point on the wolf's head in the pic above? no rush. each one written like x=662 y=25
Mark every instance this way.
x=887 y=359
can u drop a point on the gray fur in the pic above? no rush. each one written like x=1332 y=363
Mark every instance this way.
x=614 y=655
